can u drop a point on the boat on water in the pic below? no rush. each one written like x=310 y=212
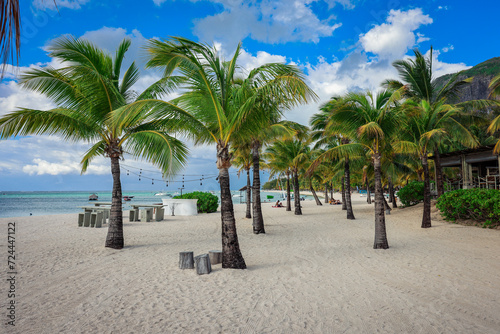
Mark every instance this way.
x=127 y=198
x=93 y=197
x=161 y=193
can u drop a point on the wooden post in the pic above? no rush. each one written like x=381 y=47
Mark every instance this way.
x=215 y=256
x=202 y=264
x=186 y=260
x=98 y=221
x=93 y=217
x=81 y=216
x=86 y=219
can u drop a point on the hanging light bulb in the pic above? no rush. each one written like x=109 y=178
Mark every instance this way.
x=127 y=172
x=152 y=181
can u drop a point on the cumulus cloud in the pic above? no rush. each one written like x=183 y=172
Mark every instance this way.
x=49 y=4
x=391 y=40
x=268 y=21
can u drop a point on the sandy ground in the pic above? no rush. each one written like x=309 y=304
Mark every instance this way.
x=315 y=273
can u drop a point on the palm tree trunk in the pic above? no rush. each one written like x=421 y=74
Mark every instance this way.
x=380 y=233
x=344 y=204
x=331 y=190
x=350 y=214
x=249 y=195
x=439 y=173
x=296 y=193
x=114 y=238
x=318 y=202
x=391 y=194
x=326 y=193
x=258 y=219
x=288 y=200
x=231 y=254
x=368 y=194
x=426 y=218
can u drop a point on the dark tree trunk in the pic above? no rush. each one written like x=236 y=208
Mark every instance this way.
x=326 y=193
x=439 y=173
x=331 y=190
x=426 y=218
x=344 y=204
x=114 y=238
x=296 y=193
x=350 y=214
x=391 y=194
x=249 y=196
x=318 y=202
x=368 y=194
x=380 y=233
x=258 y=219
x=231 y=254
x=288 y=200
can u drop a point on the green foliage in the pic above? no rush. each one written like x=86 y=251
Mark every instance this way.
x=207 y=202
x=412 y=193
x=482 y=205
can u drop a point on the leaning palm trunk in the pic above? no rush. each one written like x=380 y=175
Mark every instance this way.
x=439 y=173
x=344 y=204
x=350 y=214
x=114 y=238
x=258 y=219
x=231 y=254
x=288 y=200
x=318 y=202
x=380 y=233
x=326 y=193
x=249 y=195
x=426 y=218
x=296 y=193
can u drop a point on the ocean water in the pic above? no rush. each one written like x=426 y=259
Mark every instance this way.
x=22 y=204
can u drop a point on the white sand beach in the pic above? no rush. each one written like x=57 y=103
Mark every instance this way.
x=315 y=273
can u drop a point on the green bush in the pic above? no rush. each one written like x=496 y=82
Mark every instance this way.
x=481 y=205
x=412 y=193
x=207 y=202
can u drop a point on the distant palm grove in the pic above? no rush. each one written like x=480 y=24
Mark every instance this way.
x=371 y=140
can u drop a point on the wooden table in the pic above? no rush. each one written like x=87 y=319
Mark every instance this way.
x=147 y=212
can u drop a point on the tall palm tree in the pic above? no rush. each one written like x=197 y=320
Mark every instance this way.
x=10 y=29
x=221 y=102
x=417 y=83
x=495 y=124
x=95 y=105
x=370 y=120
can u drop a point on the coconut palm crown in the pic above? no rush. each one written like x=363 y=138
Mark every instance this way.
x=96 y=104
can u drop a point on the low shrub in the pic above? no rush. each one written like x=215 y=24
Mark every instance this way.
x=207 y=202
x=481 y=205
x=412 y=193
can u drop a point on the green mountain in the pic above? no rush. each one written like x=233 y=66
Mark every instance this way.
x=482 y=73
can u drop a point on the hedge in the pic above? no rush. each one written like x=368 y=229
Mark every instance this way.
x=481 y=205
x=207 y=202
x=412 y=193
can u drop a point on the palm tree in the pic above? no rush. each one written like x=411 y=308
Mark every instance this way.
x=95 y=105
x=370 y=120
x=435 y=117
x=10 y=29
x=495 y=124
x=242 y=158
x=292 y=153
x=221 y=103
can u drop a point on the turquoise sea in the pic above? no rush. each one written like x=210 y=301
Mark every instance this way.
x=22 y=204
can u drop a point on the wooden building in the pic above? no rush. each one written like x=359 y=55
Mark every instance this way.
x=478 y=168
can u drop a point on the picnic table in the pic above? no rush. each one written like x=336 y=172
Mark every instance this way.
x=146 y=214
x=93 y=216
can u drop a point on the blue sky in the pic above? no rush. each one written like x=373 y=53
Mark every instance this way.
x=341 y=45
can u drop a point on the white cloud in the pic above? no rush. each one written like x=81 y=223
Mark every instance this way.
x=267 y=21
x=50 y=4
x=391 y=40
